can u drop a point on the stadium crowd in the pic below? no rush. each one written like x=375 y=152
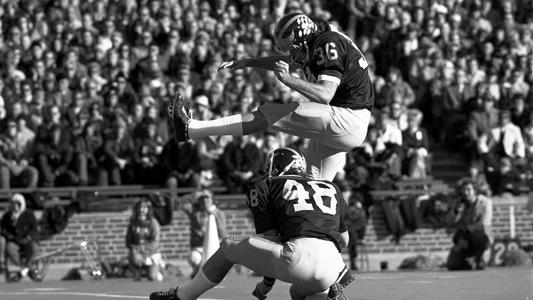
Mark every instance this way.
x=84 y=87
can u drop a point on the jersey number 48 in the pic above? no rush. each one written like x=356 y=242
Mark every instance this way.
x=294 y=190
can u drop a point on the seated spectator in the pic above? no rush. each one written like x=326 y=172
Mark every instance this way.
x=18 y=233
x=503 y=141
x=476 y=174
x=479 y=123
x=395 y=86
x=115 y=159
x=388 y=145
x=397 y=114
x=142 y=241
x=240 y=162
x=86 y=148
x=180 y=164
x=15 y=169
x=506 y=178
x=415 y=147
x=473 y=233
x=146 y=156
x=54 y=152
x=198 y=208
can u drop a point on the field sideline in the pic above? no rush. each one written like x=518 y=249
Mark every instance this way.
x=493 y=283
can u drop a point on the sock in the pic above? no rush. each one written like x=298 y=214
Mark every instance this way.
x=24 y=272
x=231 y=125
x=196 y=287
x=269 y=281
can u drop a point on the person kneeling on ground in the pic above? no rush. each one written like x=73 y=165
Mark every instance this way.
x=473 y=222
x=19 y=228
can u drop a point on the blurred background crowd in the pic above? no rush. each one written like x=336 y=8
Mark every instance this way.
x=84 y=87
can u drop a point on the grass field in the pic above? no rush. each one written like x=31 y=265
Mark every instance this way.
x=493 y=283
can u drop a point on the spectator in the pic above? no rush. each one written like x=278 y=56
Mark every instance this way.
x=240 y=162
x=395 y=86
x=198 y=208
x=504 y=140
x=148 y=148
x=180 y=164
x=356 y=221
x=14 y=162
x=53 y=152
x=86 y=148
x=115 y=161
x=476 y=174
x=473 y=233
x=480 y=122
x=142 y=241
x=18 y=234
x=415 y=147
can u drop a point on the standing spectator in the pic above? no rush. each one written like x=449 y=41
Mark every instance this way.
x=198 y=209
x=142 y=241
x=415 y=147
x=240 y=162
x=473 y=224
x=18 y=230
x=356 y=221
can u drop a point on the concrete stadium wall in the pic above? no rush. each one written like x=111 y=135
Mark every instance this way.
x=110 y=229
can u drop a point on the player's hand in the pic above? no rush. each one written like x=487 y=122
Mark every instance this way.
x=281 y=70
x=232 y=65
x=261 y=290
x=226 y=65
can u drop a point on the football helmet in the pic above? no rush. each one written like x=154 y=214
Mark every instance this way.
x=291 y=34
x=286 y=161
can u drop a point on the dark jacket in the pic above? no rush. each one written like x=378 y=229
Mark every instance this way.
x=21 y=231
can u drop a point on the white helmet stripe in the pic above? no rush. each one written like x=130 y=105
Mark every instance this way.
x=287 y=24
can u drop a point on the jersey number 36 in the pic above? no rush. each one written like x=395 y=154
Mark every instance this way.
x=293 y=190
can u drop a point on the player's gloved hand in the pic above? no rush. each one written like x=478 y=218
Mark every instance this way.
x=261 y=290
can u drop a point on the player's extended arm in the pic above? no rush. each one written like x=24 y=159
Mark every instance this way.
x=263 y=287
x=321 y=92
x=266 y=62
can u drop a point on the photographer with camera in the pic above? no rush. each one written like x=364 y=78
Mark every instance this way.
x=473 y=233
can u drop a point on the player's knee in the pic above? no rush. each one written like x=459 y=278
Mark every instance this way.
x=229 y=245
x=254 y=122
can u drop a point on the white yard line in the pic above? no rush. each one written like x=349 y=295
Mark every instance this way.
x=103 y=295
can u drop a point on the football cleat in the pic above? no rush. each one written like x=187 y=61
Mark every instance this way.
x=171 y=294
x=180 y=116
x=336 y=290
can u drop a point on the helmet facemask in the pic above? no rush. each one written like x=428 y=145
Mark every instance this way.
x=291 y=35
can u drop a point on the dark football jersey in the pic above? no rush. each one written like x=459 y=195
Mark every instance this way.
x=334 y=54
x=296 y=207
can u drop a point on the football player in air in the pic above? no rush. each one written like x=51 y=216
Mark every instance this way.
x=300 y=232
x=337 y=85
